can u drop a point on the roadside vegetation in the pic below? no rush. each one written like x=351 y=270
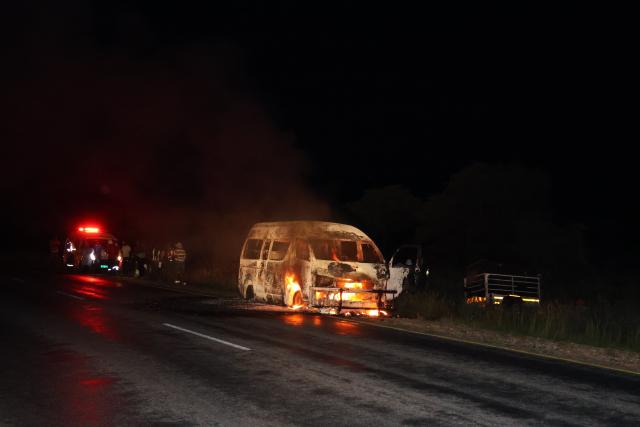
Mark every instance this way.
x=507 y=213
x=600 y=323
x=207 y=278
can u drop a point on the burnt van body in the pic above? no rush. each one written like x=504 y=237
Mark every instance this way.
x=312 y=263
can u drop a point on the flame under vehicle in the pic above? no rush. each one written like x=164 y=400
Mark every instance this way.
x=90 y=248
x=332 y=267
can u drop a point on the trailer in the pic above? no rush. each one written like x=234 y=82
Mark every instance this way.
x=494 y=288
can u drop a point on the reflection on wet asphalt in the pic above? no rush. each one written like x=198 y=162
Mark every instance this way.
x=108 y=359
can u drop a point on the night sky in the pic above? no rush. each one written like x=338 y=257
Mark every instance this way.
x=156 y=109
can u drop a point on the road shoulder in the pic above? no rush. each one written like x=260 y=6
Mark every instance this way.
x=608 y=358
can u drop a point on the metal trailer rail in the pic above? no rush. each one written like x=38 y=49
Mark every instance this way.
x=487 y=286
x=352 y=304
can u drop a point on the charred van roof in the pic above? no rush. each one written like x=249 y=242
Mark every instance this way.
x=308 y=229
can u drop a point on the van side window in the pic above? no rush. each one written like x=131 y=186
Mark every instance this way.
x=321 y=248
x=348 y=250
x=278 y=250
x=252 y=249
x=369 y=254
x=265 y=249
x=302 y=250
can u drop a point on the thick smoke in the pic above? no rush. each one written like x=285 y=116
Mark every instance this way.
x=165 y=146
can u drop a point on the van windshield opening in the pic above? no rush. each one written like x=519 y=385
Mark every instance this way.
x=335 y=250
x=370 y=255
x=348 y=250
x=321 y=248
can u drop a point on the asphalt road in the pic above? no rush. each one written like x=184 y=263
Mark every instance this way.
x=79 y=350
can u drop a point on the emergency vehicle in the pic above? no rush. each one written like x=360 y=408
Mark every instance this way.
x=91 y=249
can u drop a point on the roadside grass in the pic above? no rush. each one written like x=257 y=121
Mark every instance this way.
x=218 y=283
x=600 y=324
x=212 y=280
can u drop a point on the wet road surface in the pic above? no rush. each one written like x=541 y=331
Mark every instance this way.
x=82 y=350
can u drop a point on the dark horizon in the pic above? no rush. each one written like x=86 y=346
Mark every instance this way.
x=224 y=110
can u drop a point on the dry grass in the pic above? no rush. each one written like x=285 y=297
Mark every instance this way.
x=608 y=357
x=600 y=324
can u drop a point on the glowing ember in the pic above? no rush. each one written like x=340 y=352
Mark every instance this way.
x=373 y=313
x=346 y=296
x=353 y=285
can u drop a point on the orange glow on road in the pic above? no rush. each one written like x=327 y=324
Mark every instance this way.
x=347 y=328
x=294 y=319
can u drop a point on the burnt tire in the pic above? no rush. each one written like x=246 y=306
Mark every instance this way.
x=297 y=299
x=248 y=293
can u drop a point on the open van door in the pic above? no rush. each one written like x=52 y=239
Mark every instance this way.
x=403 y=268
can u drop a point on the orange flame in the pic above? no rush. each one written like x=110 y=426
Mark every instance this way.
x=292 y=286
x=353 y=285
x=291 y=282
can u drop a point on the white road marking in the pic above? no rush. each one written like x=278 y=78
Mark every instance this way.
x=69 y=295
x=230 y=344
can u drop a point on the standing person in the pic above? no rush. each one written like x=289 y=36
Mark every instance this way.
x=140 y=256
x=179 y=256
x=167 y=264
x=153 y=265
x=125 y=253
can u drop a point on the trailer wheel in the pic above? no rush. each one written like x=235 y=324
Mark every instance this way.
x=511 y=303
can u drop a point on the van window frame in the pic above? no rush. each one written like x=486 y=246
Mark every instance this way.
x=265 y=249
x=380 y=258
x=246 y=246
x=330 y=248
x=307 y=248
x=284 y=253
x=338 y=247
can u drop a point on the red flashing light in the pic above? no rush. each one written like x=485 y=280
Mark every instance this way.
x=89 y=229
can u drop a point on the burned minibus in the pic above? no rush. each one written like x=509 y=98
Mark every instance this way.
x=333 y=267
